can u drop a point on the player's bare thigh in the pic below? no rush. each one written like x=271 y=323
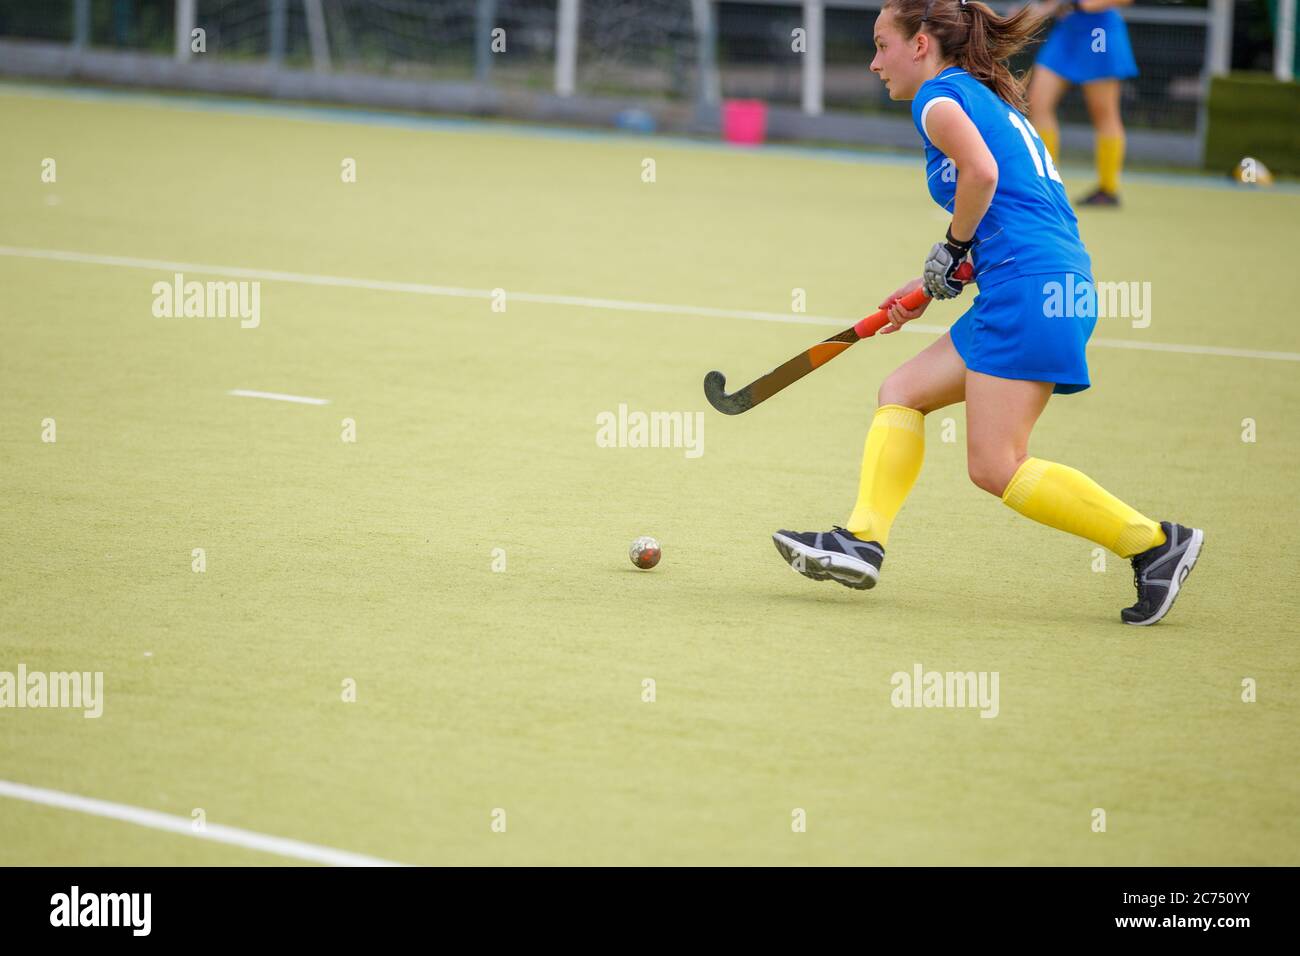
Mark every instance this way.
x=1045 y=91
x=933 y=378
x=1000 y=414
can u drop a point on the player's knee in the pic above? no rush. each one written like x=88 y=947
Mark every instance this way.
x=1110 y=125
x=895 y=390
x=989 y=473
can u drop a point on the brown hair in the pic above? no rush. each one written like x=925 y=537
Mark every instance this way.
x=974 y=37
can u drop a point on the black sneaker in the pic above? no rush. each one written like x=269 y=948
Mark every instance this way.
x=1159 y=573
x=836 y=555
x=1098 y=197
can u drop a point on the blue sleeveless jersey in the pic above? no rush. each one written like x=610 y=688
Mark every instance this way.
x=1030 y=228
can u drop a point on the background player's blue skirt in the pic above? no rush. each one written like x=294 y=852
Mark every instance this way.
x=1031 y=327
x=1077 y=52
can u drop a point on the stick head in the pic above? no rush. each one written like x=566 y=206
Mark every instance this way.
x=715 y=390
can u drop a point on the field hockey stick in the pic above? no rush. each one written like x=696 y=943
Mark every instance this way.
x=761 y=389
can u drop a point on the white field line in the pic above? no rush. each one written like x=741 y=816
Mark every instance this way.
x=1197 y=349
x=618 y=305
x=180 y=825
x=278 y=397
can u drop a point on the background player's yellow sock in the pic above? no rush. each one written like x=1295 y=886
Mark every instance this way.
x=1110 y=160
x=891 y=461
x=1052 y=140
x=1068 y=500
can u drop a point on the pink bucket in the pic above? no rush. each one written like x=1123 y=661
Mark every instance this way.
x=744 y=121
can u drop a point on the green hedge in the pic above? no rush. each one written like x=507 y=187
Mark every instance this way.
x=1252 y=114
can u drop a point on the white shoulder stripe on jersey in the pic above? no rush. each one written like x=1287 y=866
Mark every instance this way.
x=925 y=111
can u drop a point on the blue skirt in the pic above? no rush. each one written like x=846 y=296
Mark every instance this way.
x=1089 y=46
x=1031 y=327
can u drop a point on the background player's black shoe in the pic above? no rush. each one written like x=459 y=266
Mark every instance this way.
x=1098 y=197
x=836 y=555
x=1159 y=572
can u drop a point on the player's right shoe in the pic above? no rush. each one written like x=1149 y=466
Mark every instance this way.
x=834 y=555
x=1159 y=573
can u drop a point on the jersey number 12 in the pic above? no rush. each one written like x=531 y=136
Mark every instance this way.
x=1029 y=134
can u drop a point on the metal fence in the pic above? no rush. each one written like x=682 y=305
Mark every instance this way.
x=645 y=52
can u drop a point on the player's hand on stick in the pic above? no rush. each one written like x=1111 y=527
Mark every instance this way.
x=940 y=268
x=897 y=312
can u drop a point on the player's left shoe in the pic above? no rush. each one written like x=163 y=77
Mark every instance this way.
x=834 y=555
x=1098 y=197
x=1159 y=573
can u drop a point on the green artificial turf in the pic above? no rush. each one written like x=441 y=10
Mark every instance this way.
x=521 y=689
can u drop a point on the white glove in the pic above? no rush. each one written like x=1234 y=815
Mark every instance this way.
x=945 y=259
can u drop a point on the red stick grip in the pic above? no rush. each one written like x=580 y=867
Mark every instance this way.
x=879 y=319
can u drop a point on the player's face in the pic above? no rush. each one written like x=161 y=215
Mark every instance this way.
x=894 y=62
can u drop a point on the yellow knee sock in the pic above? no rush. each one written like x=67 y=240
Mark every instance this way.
x=1052 y=140
x=1110 y=159
x=1068 y=500
x=891 y=461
